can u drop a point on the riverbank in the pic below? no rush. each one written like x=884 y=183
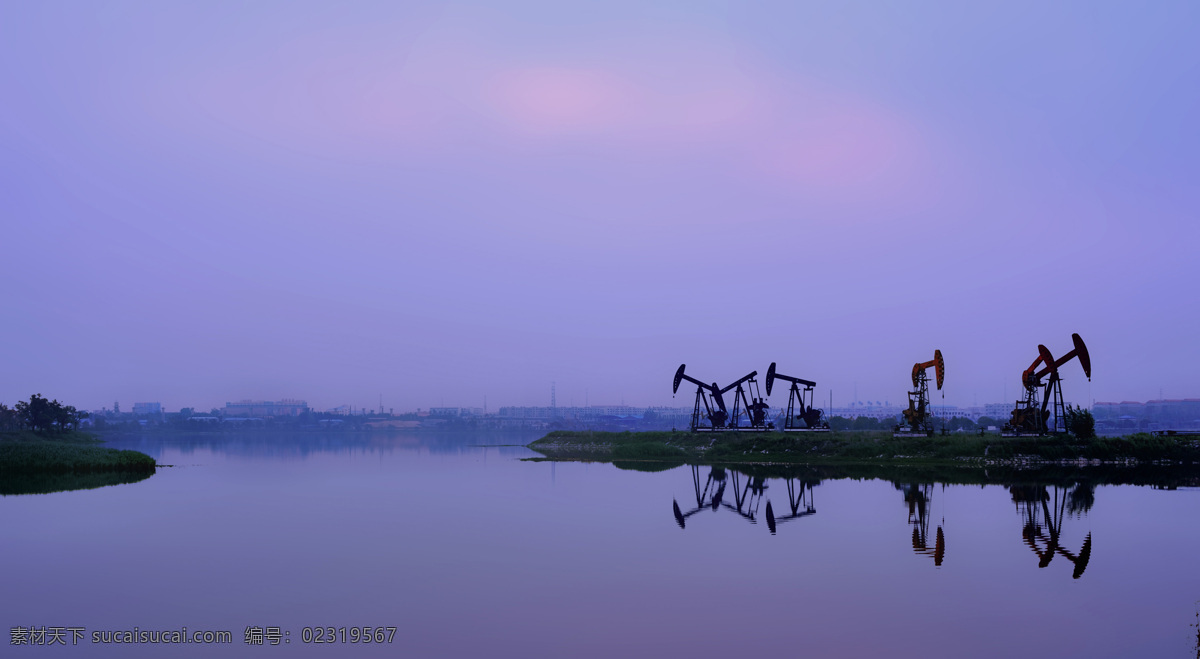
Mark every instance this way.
x=25 y=453
x=866 y=448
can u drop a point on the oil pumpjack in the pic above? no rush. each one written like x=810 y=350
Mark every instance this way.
x=712 y=398
x=917 y=416
x=708 y=395
x=753 y=406
x=800 y=407
x=1031 y=416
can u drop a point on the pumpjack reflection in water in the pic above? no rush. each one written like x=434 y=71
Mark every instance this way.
x=1043 y=521
x=748 y=496
x=704 y=500
x=800 y=498
x=918 y=497
x=711 y=496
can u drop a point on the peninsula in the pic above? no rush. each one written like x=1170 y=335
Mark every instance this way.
x=35 y=463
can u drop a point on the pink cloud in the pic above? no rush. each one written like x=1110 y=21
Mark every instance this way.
x=552 y=100
x=690 y=101
x=847 y=149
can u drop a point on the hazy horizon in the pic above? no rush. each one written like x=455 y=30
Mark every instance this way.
x=442 y=202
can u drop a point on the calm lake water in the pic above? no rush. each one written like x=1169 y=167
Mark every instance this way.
x=468 y=551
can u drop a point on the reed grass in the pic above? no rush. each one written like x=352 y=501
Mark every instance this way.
x=25 y=452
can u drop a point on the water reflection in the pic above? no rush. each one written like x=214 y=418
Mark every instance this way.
x=298 y=445
x=747 y=496
x=1044 y=508
x=707 y=498
x=800 y=499
x=1043 y=515
x=42 y=483
x=541 y=559
x=918 y=497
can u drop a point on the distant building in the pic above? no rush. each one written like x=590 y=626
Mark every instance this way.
x=949 y=412
x=455 y=411
x=998 y=411
x=147 y=409
x=1177 y=413
x=876 y=410
x=203 y=420
x=590 y=412
x=265 y=408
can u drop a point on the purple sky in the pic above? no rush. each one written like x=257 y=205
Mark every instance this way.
x=440 y=202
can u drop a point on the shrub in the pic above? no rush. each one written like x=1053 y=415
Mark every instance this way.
x=1080 y=422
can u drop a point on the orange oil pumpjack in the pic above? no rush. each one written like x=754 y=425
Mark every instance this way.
x=917 y=415
x=1029 y=417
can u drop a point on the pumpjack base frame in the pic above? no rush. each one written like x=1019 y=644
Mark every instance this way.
x=717 y=430
x=909 y=433
x=1025 y=434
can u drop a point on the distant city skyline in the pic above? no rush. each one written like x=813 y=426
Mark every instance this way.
x=445 y=202
x=991 y=408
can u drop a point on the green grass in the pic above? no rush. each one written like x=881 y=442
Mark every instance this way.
x=25 y=452
x=850 y=446
x=648 y=451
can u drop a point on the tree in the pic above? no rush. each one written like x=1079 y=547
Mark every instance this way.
x=67 y=417
x=8 y=418
x=40 y=414
x=960 y=423
x=985 y=421
x=866 y=423
x=1080 y=422
x=36 y=414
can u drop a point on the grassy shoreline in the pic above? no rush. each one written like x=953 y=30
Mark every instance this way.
x=867 y=448
x=24 y=453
